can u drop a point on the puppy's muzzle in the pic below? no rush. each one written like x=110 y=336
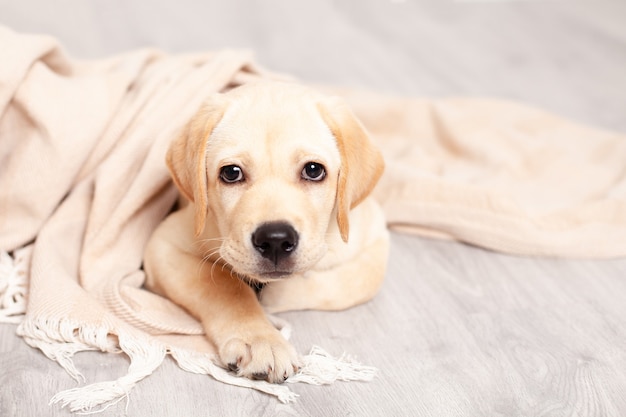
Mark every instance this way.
x=275 y=242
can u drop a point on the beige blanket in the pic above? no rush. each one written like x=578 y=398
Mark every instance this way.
x=83 y=183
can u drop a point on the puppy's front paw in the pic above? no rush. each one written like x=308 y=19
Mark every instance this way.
x=262 y=355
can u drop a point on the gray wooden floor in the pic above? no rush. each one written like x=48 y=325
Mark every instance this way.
x=456 y=330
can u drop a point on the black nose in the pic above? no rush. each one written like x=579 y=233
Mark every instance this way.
x=275 y=241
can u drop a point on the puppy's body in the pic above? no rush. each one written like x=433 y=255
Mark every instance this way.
x=277 y=178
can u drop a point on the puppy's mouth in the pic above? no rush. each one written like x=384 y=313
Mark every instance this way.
x=258 y=280
x=274 y=275
x=266 y=277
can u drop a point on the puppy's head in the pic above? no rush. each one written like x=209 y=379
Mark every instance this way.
x=277 y=169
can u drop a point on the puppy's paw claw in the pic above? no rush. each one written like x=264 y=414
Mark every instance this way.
x=260 y=376
x=266 y=357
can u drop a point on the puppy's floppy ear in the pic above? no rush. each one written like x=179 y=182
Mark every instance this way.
x=361 y=163
x=186 y=157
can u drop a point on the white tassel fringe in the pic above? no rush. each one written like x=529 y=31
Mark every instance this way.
x=144 y=356
x=14 y=284
x=320 y=368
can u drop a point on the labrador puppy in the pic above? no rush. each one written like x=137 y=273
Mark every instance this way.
x=278 y=218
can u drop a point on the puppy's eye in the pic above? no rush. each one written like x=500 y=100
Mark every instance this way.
x=231 y=173
x=313 y=171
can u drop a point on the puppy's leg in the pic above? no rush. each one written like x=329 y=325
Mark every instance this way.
x=228 y=309
x=347 y=284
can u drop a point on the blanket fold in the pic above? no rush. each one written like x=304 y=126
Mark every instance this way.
x=83 y=183
x=499 y=175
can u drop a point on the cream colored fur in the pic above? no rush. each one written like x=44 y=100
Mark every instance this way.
x=202 y=256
